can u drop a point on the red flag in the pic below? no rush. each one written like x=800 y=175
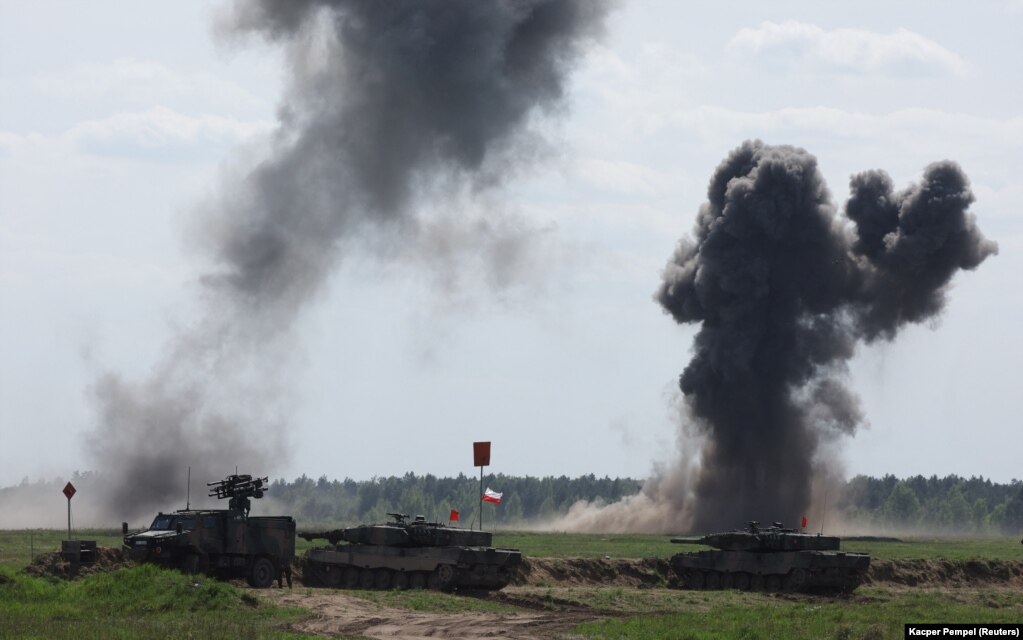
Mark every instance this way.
x=454 y=516
x=804 y=522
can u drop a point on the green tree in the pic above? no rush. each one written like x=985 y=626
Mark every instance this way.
x=1012 y=521
x=902 y=508
x=960 y=515
x=513 y=509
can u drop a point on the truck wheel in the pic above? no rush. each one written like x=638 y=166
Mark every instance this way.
x=261 y=576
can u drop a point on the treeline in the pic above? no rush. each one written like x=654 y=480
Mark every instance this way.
x=951 y=504
x=523 y=498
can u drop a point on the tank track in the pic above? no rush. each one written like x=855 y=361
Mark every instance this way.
x=832 y=579
x=445 y=577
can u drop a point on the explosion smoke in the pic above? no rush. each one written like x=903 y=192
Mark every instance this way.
x=387 y=102
x=784 y=291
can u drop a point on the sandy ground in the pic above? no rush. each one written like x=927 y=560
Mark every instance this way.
x=339 y=614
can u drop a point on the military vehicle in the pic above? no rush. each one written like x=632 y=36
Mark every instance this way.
x=226 y=542
x=769 y=559
x=409 y=554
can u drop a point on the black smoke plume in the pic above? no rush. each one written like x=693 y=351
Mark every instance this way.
x=783 y=291
x=389 y=106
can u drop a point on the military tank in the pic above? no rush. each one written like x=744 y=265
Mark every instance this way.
x=770 y=558
x=408 y=554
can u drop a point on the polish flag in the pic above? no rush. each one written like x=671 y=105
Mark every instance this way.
x=492 y=496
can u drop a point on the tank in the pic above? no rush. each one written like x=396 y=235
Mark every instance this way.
x=769 y=558
x=409 y=554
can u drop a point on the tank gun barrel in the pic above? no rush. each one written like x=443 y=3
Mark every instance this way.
x=333 y=536
x=689 y=540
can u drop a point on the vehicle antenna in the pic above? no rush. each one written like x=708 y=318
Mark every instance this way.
x=188 y=490
x=824 y=512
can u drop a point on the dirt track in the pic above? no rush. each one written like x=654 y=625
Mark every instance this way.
x=338 y=613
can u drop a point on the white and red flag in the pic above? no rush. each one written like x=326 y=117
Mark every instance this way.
x=492 y=496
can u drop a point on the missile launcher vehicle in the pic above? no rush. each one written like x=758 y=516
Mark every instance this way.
x=769 y=559
x=225 y=542
x=408 y=553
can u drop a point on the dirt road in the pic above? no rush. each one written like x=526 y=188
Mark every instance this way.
x=340 y=614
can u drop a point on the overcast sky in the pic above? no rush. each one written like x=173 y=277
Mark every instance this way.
x=117 y=119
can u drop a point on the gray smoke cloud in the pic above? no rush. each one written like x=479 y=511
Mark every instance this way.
x=390 y=108
x=783 y=290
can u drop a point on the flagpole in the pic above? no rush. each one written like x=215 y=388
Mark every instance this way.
x=481 y=499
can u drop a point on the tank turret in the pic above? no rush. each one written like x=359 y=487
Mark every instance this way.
x=409 y=553
x=770 y=558
x=405 y=532
x=757 y=538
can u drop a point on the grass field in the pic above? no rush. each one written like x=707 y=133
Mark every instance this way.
x=142 y=601
x=17 y=547
x=873 y=614
x=146 y=601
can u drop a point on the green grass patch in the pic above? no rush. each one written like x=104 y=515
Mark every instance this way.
x=872 y=614
x=130 y=603
x=587 y=545
x=990 y=548
x=19 y=546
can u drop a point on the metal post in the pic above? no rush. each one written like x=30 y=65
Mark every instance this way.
x=69 y=518
x=481 y=498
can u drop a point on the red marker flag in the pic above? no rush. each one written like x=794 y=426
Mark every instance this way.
x=492 y=496
x=454 y=515
x=804 y=522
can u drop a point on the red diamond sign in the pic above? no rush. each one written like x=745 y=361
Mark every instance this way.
x=69 y=490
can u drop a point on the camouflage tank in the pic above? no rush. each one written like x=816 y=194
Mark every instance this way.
x=409 y=554
x=769 y=559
